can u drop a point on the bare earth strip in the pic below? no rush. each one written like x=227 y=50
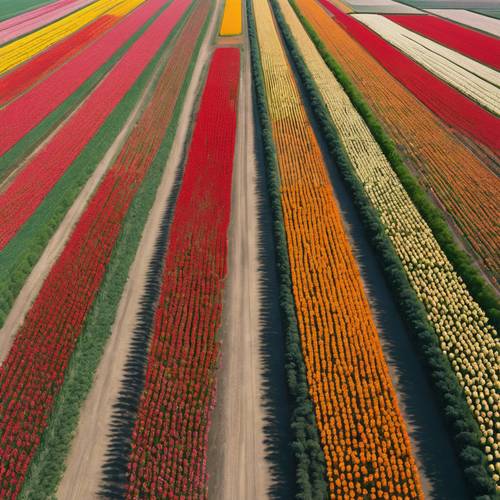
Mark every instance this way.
x=236 y=462
x=56 y=244
x=83 y=474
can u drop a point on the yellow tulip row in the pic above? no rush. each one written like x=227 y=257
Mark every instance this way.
x=19 y=51
x=231 y=19
x=363 y=434
x=465 y=334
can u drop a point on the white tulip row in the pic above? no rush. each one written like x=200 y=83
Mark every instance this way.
x=465 y=335
x=475 y=80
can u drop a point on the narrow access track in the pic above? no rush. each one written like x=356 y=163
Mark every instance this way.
x=237 y=464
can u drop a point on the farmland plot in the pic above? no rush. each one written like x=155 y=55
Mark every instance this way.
x=465 y=186
x=31 y=186
x=169 y=442
x=465 y=335
x=35 y=366
x=20 y=25
x=470 y=19
x=348 y=378
x=446 y=102
x=478 y=46
x=22 y=115
x=21 y=50
x=473 y=79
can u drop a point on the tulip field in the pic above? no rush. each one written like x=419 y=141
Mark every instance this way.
x=249 y=249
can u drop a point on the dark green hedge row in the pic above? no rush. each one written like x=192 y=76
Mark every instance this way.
x=23 y=251
x=480 y=290
x=48 y=464
x=462 y=425
x=306 y=445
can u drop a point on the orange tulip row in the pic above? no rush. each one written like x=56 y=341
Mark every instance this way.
x=363 y=434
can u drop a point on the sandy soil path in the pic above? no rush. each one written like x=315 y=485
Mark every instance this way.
x=236 y=463
x=83 y=474
x=56 y=244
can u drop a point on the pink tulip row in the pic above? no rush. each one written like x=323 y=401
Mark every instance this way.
x=31 y=21
x=34 y=182
x=25 y=113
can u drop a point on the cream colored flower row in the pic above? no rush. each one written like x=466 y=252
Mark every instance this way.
x=26 y=47
x=465 y=334
x=475 y=80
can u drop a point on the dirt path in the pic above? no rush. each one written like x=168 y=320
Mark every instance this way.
x=83 y=474
x=236 y=463
x=56 y=244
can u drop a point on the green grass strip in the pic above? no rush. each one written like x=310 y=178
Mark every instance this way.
x=23 y=251
x=480 y=290
x=463 y=428
x=48 y=465
x=306 y=445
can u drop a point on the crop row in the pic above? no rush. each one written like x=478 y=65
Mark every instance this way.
x=169 y=444
x=446 y=102
x=17 y=27
x=471 y=43
x=465 y=336
x=21 y=116
x=486 y=24
x=24 y=48
x=231 y=19
x=43 y=171
x=475 y=80
x=33 y=372
x=21 y=78
x=364 y=438
x=49 y=462
x=466 y=187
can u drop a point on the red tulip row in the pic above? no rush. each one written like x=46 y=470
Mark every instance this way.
x=22 y=115
x=449 y=104
x=169 y=447
x=22 y=77
x=44 y=170
x=474 y=44
x=33 y=372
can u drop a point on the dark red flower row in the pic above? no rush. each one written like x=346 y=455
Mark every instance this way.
x=169 y=445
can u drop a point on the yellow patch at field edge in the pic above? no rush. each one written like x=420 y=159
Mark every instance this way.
x=231 y=20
